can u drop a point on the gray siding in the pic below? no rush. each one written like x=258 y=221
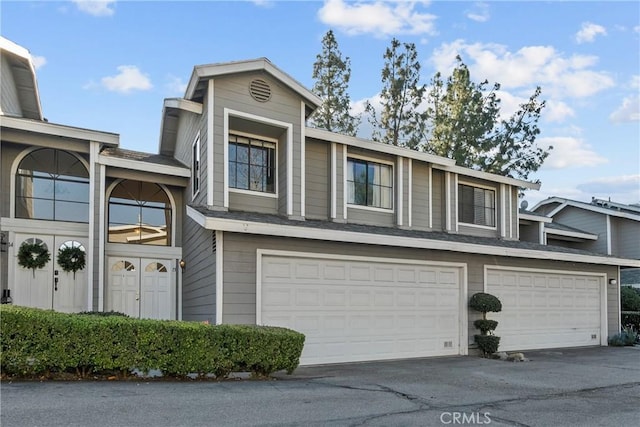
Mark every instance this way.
x=530 y=233
x=405 y=192
x=252 y=203
x=8 y=92
x=438 y=209
x=591 y=222
x=240 y=269
x=284 y=106
x=189 y=124
x=8 y=155
x=318 y=179
x=341 y=198
x=420 y=195
x=199 y=277
x=370 y=217
x=626 y=237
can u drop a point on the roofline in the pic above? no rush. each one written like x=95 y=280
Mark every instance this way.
x=17 y=50
x=569 y=233
x=144 y=166
x=461 y=170
x=254 y=227
x=536 y=218
x=260 y=64
x=376 y=146
x=30 y=125
x=183 y=104
x=583 y=205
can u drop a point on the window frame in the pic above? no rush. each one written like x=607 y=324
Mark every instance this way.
x=372 y=160
x=231 y=133
x=195 y=167
x=459 y=205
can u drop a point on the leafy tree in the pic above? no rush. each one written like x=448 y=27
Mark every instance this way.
x=400 y=97
x=332 y=73
x=462 y=122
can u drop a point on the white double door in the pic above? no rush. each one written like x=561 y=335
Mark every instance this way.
x=141 y=287
x=50 y=287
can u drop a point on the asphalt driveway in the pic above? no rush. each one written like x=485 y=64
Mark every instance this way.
x=577 y=387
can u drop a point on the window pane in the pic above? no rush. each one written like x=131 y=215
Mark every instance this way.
x=233 y=181
x=29 y=208
x=351 y=192
x=71 y=211
x=71 y=191
x=232 y=152
x=257 y=181
x=242 y=153
x=385 y=175
x=386 y=197
x=242 y=176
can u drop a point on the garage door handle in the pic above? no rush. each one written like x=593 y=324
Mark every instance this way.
x=137 y=296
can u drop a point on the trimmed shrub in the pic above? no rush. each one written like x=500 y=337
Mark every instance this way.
x=488 y=343
x=485 y=325
x=102 y=313
x=34 y=341
x=485 y=303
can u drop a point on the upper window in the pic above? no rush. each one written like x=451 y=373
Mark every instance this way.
x=139 y=213
x=476 y=205
x=369 y=184
x=53 y=185
x=195 y=167
x=252 y=164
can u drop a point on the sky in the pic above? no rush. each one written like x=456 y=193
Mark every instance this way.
x=108 y=65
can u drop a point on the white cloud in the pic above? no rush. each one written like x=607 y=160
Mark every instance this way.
x=129 y=78
x=635 y=82
x=628 y=111
x=557 y=111
x=38 y=61
x=263 y=3
x=569 y=152
x=530 y=66
x=379 y=18
x=176 y=85
x=589 y=31
x=96 y=7
x=625 y=184
x=480 y=12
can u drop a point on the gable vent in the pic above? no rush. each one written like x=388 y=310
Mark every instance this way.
x=260 y=90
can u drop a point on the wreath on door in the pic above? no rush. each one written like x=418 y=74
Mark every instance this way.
x=71 y=258
x=33 y=255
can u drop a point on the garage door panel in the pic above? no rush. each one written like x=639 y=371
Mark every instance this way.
x=352 y=310
x=546 y=309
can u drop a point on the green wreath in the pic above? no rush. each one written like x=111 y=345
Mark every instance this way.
x=71 y=258
x=33 y=255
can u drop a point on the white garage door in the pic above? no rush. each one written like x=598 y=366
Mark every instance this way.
x=355 y=310
x=546 y=309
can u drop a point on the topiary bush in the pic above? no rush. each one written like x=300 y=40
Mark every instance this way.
x=484 y=303
x=35 y=342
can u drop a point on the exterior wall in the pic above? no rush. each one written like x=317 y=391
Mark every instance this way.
x=191 y=125
x=625 y=237
x=251 y=203
x=318 y=179
x=530 y=232
x=420 y=196
x=8 y=154
x=10 y=103
x=438 y=208
x=239 y=261
x=341 y=197
x=199 y=277
x=232 y=92
x=591 y=222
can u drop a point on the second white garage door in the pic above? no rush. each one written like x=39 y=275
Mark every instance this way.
x=351 y=309
x=547 y=309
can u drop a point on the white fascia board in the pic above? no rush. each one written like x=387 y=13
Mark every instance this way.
x=376 y=146
x=569 y=233
x=240 y=226
x=535 y=218
x=586 y=206
x=489 y=176
x=144 y=166
x=183 y=104
x=260 y=64
x=63 y=131
x=25 y=57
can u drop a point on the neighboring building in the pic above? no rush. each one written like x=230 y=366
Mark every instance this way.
x=372 y=251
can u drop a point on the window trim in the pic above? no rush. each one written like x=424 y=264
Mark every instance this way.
x=370 y=160
x=495 y=210
x=275 y=194
x=196 y=167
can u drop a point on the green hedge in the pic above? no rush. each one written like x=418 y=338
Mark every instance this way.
x=631 y=318
x=36 y=341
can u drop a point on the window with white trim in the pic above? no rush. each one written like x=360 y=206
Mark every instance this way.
x=476 y=205
x=195 y=167
x=252 y=164
x=369 y=184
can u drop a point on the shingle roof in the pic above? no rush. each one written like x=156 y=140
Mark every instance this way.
x=139 y=156
x=390 y=231
x=559 y=226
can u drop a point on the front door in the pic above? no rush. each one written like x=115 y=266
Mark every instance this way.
x=51 y=287
x=141 y=287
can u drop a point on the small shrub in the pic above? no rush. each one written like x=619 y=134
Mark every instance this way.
x=485 y=325
x=627 y=337
x=488 y=343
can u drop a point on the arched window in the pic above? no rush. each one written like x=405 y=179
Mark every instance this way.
x=139 y=213
x=52 y=184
